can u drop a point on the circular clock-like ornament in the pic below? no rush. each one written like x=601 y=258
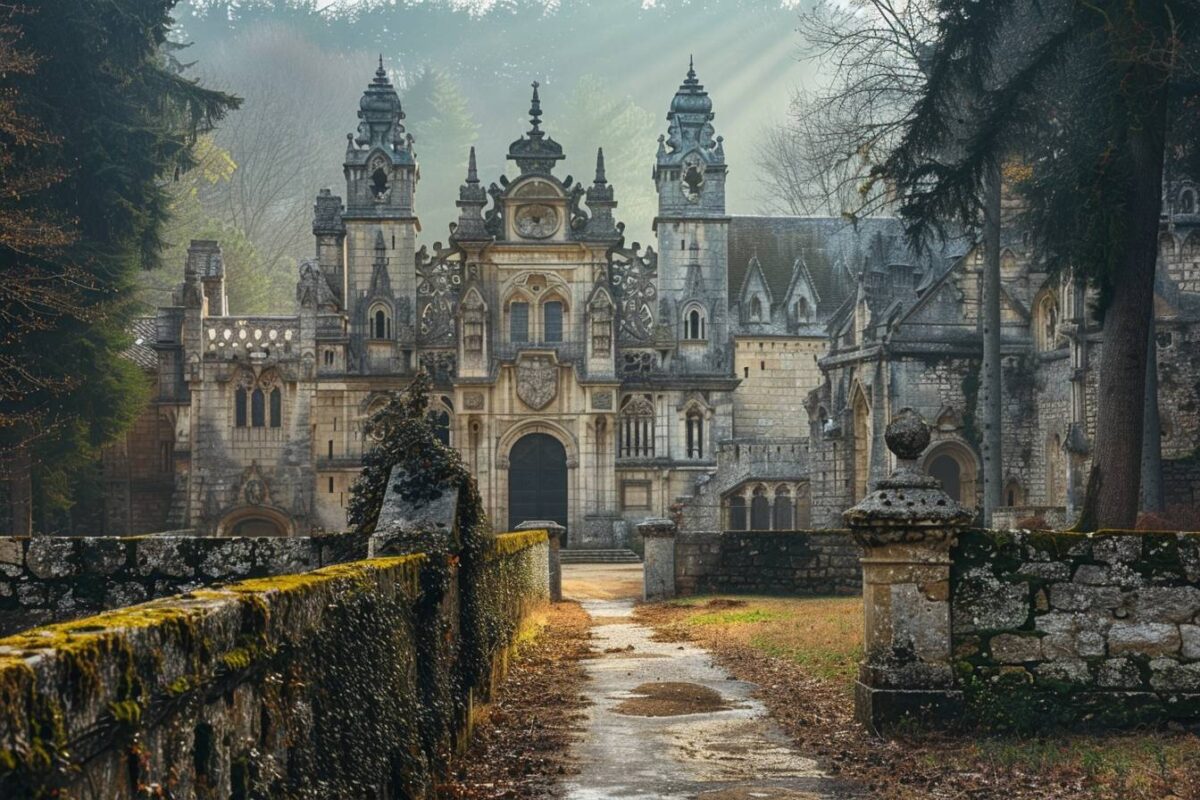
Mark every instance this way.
x=537 y=221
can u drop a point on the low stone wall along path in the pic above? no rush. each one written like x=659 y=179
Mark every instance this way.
x=666 y=723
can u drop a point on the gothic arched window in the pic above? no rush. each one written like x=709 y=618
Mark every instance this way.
x=694 y=325
x=637 y=427
x=276 y=408
x=695 y=433
x=760 y=510
x=258 y=409
x=552 y=321
x=1046 y=334
x=239 y=407
x=518 y=321
x=379 y=183
x=381 y=325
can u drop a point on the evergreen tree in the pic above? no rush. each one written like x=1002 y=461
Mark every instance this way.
x=123 y=122
x=1094 y=95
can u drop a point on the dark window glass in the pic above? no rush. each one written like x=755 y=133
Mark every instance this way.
x=783 y=512
x=258 y=409
x=760 y=513
x=380 y=325
x=239 y=408
x=440 y=422
x=552 y=314
x=276 y=408
x=737 y=514
x=519 y=321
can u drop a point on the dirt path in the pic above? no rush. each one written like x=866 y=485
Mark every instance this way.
x=666 y=723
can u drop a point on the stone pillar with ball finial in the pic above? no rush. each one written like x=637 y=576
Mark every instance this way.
x=906 y=526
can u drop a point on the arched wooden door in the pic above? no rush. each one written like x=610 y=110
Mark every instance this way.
x=537 y=480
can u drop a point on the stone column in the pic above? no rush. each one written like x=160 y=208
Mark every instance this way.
x=658 y=569
x=906 y=526
x=556 y=533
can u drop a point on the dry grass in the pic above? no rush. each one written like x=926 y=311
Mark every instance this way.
x=804 y=655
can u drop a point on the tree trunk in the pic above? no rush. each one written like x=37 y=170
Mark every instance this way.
x=1152 y=489
x=1114 y=484
x=993 y=471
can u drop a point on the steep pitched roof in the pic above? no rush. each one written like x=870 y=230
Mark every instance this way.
x=833 y=250
x=141 y=352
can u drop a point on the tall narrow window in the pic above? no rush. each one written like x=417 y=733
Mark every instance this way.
x=737 y=513
x=257 y=409
x=440 y=422
x=381 y=325
x=695 y=324
x=239 y=408
x=518 y=320
x=760 y=510
x=695 y=434
x=637 y=427
x=276 y=407
x=552 y=320
x=783 y=509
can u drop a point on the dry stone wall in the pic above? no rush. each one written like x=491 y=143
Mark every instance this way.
x=797 y=563
x=52 y=579
x=1056 y=627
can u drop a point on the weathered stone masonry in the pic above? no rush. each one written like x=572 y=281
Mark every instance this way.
x=767 y=562
x=46 y=580
x=344 y=682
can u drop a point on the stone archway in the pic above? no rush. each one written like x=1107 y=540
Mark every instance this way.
x=255 y=521
x=955 y=465
x=537 y=480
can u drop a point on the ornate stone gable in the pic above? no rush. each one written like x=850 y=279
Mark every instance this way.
x=537 y=380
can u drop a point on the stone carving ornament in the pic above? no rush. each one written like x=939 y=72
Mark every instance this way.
x=537 y=381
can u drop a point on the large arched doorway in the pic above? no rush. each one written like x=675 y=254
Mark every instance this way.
x=537 y=480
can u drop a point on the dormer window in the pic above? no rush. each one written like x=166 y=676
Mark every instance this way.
x=802 y=310
x=755 y=309
x=379 y=184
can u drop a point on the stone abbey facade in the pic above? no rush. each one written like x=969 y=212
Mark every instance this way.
x=736 y=374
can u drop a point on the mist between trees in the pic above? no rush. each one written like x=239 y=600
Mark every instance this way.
x=463 y=69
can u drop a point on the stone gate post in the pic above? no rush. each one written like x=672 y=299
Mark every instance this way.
x=556 y=532
x=658 y=569
x=906 y=526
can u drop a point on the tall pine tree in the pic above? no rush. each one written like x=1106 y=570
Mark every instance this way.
x=119 y=122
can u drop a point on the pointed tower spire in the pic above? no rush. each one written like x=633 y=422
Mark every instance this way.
x=600 y=178
x=535 y=152
x=472 y=171
x=535 y=114
x=691 y=73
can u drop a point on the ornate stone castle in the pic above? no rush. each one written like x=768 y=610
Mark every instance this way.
x=738 y=373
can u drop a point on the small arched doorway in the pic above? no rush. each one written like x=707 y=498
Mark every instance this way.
x=955 y=467
x=945 y=468
x=537 y=480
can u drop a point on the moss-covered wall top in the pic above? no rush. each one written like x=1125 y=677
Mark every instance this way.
x=342 y=682
x=1077 y=627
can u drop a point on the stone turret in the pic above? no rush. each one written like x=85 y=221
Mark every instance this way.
x=601 y=202
x=471 y=200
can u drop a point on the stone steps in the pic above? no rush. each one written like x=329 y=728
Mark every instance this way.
x=613 y=556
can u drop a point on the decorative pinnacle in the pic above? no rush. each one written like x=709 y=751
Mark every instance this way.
x=907 y=435
x=472 y=172
x=535 y=113
x=691 y=73
x=600 y=178
x=381 y=73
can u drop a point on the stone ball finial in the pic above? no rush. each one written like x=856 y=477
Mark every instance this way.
x=907 y=435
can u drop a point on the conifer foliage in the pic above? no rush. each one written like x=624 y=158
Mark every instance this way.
x=97 y=119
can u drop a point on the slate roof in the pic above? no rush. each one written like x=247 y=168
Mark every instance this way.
x=833 y=248
x=141 y=352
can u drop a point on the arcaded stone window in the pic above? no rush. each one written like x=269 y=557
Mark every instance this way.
x=239 y=407
x=276 y=408
x=782 y=512
x=637 y=427
x=737 y=513
x=381 y=324
x=258 y=402
x=694 y=325
x=258 y=409
x=760 y=510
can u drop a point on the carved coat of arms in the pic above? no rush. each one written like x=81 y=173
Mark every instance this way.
x=537 y=381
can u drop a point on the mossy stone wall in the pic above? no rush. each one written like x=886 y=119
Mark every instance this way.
x=348 y=681
x=53 y=579
x=1070 y=628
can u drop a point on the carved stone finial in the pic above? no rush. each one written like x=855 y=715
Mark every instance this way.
x=907 y=435
x=906 y=499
